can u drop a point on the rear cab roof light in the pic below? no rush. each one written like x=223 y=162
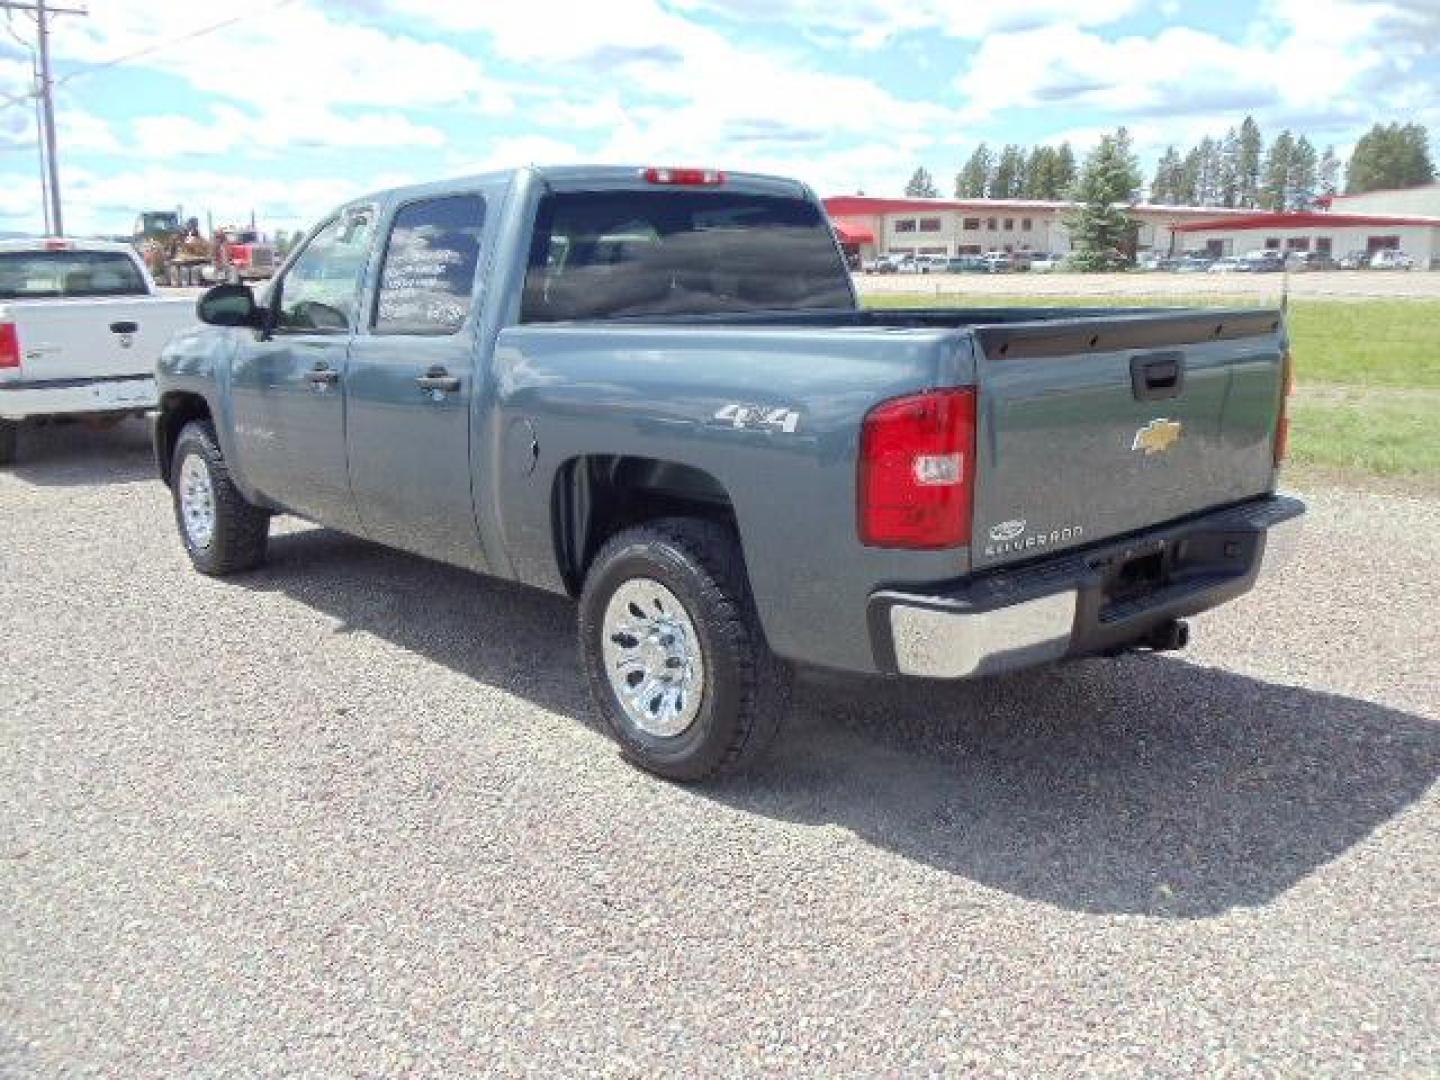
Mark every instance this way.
x=661 y=174
x=56 y=244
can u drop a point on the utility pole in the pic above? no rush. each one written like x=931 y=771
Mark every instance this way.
x=45 y=92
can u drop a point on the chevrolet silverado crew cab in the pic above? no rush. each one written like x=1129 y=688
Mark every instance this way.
x=81 y=324
x=652 y=390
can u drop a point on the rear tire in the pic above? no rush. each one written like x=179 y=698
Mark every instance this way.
x=9 y=441
x=674 y=653
x=223 y=533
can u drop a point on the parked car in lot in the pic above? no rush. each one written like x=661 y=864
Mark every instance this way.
x=652 y=390
x=931 y=264
x=1304 y=261
x=1194 y=263
x=1266 y=261
x=81 y=324
x=1355 y=260
x=1153 y=262
x=998 y=262
x=967 y=264
x=1390 y=259
x=1231 y=264
x=881 y=264
x=1045 y=262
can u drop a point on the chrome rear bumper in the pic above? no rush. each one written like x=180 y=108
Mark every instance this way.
x=1083 y=602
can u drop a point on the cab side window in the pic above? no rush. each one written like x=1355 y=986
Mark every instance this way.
x=431 y=257
x=318 y=294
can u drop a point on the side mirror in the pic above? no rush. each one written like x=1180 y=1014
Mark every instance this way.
x=230 y=305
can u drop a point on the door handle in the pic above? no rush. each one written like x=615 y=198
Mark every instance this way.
x=1157 y=376
x=437 y=378
x=323 y=376
x=124 y=326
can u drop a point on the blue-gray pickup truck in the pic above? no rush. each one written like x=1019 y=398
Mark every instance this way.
x=653 y=390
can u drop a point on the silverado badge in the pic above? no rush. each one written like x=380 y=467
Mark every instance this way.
x=1157 y=436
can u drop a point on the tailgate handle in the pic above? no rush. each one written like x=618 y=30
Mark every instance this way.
x=1157 y=376
x=124 y=327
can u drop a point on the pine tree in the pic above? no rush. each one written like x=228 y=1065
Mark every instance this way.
x=1301 y=179
x=1187 y=191
x=1064 y=172
x=921 y=185
x=1102 y=229
x=1390 y=156
x=1207 y=173
x=1275 y=185
x=1230 y=168
x=973 y=181
x=1009 y=179
x=1328 y=172
x=1169 y=174
x=1249 y=148
x=1040 y=173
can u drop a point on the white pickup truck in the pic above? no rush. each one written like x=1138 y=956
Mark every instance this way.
x=81 y=325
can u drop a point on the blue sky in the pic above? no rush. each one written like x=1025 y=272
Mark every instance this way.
x=298 y=104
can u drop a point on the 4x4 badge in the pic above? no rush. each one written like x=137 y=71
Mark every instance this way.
x=1157 y=436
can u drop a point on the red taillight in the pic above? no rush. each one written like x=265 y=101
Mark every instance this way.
x=917 y=471
x=9 y=346
x=684 y=177
x=1282 y=424
x=240 y=255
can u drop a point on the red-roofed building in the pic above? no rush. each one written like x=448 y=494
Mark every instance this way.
x=869 y=225
x=1334 y=232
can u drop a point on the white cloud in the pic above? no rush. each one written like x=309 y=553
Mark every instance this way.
x=1062 y=67
x=518 y=150
x=281 y=56
x=228 y=129
x=693 y=94
x=872 y=23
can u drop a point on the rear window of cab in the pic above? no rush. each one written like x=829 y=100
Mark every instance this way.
x=26 y=275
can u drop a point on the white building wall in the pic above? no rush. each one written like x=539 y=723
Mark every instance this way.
x=1421 y=242
x=1046 y=232
x=1423 y=201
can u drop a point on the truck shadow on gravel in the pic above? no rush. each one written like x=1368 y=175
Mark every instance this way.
x=80 y=455
x=1146 y=785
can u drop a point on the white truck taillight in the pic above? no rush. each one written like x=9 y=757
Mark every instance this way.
x=917 y=471
x=9 y=346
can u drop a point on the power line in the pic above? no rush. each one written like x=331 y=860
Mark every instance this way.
x=45 y=95
x=90 y=69
x=40 y=146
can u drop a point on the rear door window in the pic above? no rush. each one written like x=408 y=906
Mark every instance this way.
x=431 y=258
x=677 y=252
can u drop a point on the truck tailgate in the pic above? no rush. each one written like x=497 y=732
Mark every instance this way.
x=94 y=338
x=1092 y=428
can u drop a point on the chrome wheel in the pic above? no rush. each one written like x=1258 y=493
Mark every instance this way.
x=197 y=501
x=652 y=657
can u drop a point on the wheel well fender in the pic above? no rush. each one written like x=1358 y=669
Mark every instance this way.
x=595 y=496
x=177 y=408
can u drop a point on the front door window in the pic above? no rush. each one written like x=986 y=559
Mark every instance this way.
x=319 y=293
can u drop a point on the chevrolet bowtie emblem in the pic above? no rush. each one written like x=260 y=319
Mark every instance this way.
x=1157 y=436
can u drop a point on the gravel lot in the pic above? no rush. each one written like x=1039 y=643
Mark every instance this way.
x=1243 y=288
x=350 y=815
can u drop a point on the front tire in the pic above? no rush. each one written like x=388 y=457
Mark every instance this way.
x=674 y=654
x=223 y=533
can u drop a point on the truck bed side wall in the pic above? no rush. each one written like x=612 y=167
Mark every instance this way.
x=655 y=392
